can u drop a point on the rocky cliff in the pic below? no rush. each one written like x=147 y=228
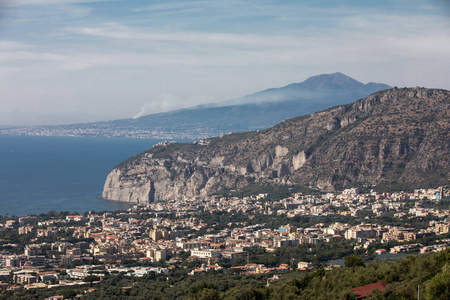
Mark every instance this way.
x=395 y=137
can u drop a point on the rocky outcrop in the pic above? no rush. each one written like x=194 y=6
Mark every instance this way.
x=395 y=137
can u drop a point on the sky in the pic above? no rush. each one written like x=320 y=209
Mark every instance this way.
x=67 y=61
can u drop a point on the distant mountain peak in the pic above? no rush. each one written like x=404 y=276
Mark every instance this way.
x=334 y=75
x=331 y=81
x=256 y=111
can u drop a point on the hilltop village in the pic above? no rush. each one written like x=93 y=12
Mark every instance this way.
x=220 y=233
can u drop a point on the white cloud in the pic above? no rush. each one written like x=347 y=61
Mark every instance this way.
x=168 y=6
x=49 y=2
x=121 y=45
x=118 y=31
x=12 y=45
x=166 y=57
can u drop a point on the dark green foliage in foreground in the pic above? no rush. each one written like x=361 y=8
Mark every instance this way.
x=403 y=277
x=69 y=294
x=353 y=260
x=430 y=272
x=439 y=286
x=177 y=285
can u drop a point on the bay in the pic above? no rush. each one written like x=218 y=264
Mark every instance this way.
x=41 y=174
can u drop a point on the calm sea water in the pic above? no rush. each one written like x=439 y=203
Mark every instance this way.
x=39 y=174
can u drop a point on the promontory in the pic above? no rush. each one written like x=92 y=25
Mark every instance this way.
x=392 y=138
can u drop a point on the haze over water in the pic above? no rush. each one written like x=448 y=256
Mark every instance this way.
x=40 y=174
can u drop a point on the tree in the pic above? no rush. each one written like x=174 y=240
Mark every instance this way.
x=353 y=261
x=69 y=294
x=246 y=293
x=91 y=279
x=205 y=294
x=62 y=272
x=439 y=286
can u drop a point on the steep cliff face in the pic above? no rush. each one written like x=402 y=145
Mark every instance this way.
x=393 y=136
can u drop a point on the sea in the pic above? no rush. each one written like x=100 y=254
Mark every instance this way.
x=41 y=174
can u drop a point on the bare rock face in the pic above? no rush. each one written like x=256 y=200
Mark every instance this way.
x=135 y=191
x=299 y=160
x=396 y=137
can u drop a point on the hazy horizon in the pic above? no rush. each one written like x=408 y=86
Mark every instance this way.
x=71 y=61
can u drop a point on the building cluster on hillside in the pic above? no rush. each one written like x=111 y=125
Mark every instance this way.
x=117 y=237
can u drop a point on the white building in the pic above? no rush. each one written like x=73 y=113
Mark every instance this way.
x=206 y=253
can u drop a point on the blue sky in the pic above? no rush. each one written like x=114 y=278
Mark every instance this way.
x=84 y=60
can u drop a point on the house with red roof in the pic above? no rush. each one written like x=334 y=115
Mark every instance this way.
x=380 y=251
x=365 y=290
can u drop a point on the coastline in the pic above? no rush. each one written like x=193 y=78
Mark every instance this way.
x=41 y=174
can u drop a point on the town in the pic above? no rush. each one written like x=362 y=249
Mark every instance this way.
x=217 y=233
x=110 y=130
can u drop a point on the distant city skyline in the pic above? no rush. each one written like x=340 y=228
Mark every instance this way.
x=67 y=61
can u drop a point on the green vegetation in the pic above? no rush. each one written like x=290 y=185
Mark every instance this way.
x=430 y=272
x=353 y=261
x=276 y=192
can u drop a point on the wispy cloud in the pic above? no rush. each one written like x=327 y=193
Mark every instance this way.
x=12 y=45
x=49 y=2
x=362 y=40
x=168 y=54
x=117 y=31
x=172 y=7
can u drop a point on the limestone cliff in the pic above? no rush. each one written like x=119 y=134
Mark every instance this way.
x=393 y=137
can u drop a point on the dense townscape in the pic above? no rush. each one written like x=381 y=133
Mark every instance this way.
x=248 y=235
x=101 y=130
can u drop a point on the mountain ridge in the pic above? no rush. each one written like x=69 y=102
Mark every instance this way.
x=256 y=111
x=326 y=83
x=396 y=137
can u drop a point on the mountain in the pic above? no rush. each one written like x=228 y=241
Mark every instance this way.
x=320 y=88
x=393 y=138
x=252 y=112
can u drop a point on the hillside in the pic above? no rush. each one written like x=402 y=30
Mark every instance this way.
x=257 y=111
x=396 y=137
x=430 y=272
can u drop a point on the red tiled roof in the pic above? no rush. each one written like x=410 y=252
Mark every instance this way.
x=365 y=290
